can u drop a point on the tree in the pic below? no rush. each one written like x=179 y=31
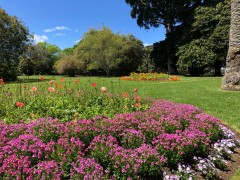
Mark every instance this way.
x=152 y=13
x=131 y=54
x=52 y=49
x=104 y=50
x=231 y=79
x=206 y=43
x=147 y=64
x=69 y=65
x=36 y=60
x=159 y=55
x=14 y=38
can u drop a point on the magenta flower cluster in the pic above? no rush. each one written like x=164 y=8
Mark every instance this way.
x=139 y=145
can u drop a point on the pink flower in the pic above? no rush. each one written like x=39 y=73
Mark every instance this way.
x=34 y=89
x=103 y=89
x=51 y=89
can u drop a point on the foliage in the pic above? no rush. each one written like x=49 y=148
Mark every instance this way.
x=147 y=64
x=69 y=65
x=159 y=56
x=104 y=50
x=53 y=50
x=169 y=14
x=14 y=37
x=208 y=44
x=97 y=147
x=36 y=60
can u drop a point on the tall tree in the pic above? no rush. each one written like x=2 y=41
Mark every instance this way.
x=36 y=60
x=105 y=51
x=14 y=37
x=52 y=49
x=206 y=43
x=153 y=13
x=231 y=79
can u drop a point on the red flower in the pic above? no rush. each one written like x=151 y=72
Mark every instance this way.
x=41 y=78
x=137 y=105
x=94 y=84
x=125 y=94
x=62 y=80
x=76 y=81
x=138 y=99
x=1 y=82
x=19 y=104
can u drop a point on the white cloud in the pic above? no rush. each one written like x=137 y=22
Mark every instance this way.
x=77 y=41
x=38 y=38
x=147 y=44
x=57 y=28
x=60 y=34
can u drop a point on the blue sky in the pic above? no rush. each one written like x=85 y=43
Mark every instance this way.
x=63 y=22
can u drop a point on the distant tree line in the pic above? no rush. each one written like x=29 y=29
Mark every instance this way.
x=196 y=43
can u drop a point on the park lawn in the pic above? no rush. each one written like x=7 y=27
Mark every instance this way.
x=203 y=92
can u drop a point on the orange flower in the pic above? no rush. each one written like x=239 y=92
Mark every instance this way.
x=135 y=90
x=76 y=81
x=62 y=80
x=51 y=89
x=60 y=87
x=1 y=82
x=51 y=82
x=138 y=99
x=56 y=84
x=34 y=89
x=103 y=89
x=137 y=105
x=19 y=104
x=41 y=78
x=124 y=94
x=69 y=90
x=94 y=84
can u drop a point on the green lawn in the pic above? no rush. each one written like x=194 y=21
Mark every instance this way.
x=203 y=92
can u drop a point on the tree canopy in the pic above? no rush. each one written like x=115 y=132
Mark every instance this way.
x=39 y=59
x=14 y=37
x=109 y=52
x=207 y=44
x=152 y=13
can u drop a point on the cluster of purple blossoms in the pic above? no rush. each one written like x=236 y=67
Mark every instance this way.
x=129 y=146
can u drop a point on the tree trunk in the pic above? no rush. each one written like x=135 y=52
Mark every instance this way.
x=231 y=79
x=172 y=69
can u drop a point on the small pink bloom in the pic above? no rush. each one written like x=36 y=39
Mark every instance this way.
x=51 y=89
x=34 y=89
x=103 y=89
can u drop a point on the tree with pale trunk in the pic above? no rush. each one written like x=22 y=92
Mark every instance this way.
x=231 y=79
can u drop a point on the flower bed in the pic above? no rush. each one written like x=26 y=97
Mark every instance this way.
x=150 y=77
x=66 y=101
x=167 y=141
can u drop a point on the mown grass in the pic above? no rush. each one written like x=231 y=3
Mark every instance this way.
x=203 y=92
